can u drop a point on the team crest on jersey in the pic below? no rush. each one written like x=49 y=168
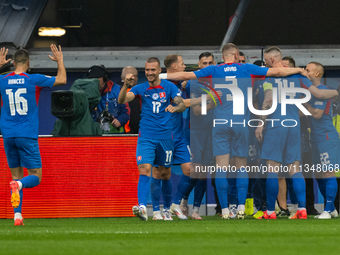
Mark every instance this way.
x=139 y=158
x=155 y=96
x=162 y=96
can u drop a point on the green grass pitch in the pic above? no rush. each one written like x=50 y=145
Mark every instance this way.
x=132 y=236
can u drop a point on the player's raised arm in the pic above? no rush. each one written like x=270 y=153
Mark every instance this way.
x=323 y=93
x=61 y=78
x=179 y=76
x=125 y=97
x=180 y=105
x=283 y=72
x=3 y=55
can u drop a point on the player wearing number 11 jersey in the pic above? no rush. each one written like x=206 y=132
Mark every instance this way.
x=19 y=122
x=155 y=144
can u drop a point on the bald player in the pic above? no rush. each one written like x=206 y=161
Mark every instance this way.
x=229 y=138
x=325 y=143
x=281 y=145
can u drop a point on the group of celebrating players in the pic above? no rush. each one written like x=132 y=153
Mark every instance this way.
x=223 y=131
x=227 y=83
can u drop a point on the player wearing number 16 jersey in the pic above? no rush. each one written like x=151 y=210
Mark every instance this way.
x=19 y=122
x=155 y=144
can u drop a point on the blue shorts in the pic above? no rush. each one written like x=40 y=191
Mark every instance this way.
x=230 y=140
x=282 y=144
x=22 y=151
x=254 y=147
x=201 y=146
x=181 y=151
x=155 y=152
x=325 y=155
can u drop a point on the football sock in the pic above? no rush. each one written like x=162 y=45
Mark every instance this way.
x=182 y=187
x=322 y=186
x=155 y=189
x=242 y=186
x=30 y=181
x=300 y=189
x=232 y=189
x=272 y=190
x=331 y=190
x=143 y=190
x=167 y=192
x=193 y=182
x=291 y=191
x=200 y=189
x=221 y=183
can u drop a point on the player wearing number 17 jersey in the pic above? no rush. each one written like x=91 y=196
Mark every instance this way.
x=19 y=122
x=155 y=144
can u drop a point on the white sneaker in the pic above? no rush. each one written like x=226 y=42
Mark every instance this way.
x=293 y=212
x=196 y=216
x=233 y=211
x=324 y=216
x=167 y=214
x=334 y=214
x=157 y=215
x=240 y=215
x=184 y=209
x=140 y=212
x=176 y=210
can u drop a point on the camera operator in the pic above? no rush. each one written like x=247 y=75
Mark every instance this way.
x=111 y=115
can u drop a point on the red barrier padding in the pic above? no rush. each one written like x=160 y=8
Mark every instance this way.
x=82 y=177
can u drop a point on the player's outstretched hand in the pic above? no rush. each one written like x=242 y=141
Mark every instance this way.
x=170 y=108
x=3 y=55
x=129 y=78
x=258 y=133
x=57 y=54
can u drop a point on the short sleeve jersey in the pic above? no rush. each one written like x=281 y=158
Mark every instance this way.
x=155 y=122
x=233 y=75
x=19 y=103
x=323 y=128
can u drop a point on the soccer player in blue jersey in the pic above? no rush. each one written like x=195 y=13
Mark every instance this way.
x=281 y=143
x=155 y=144
x=200 y=135
x=181 y=154
x=325 y=143
x=19 y=122
x=228 y=138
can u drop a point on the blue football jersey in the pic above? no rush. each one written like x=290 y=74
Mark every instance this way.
x=177 y=117
x=19 y=105
x=323 y=128
x=237 y=77
x=197 y=89
x=292 y=112
x=155 y=122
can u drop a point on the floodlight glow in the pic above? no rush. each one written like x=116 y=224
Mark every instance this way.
x=51 y=31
